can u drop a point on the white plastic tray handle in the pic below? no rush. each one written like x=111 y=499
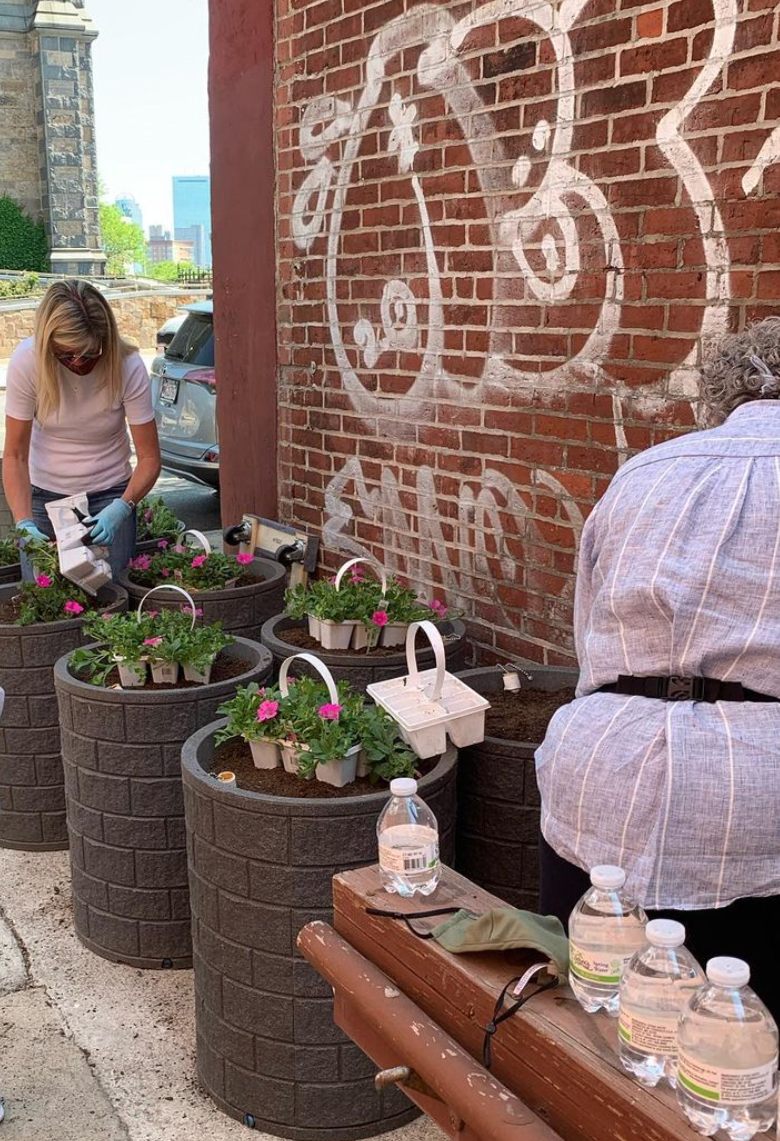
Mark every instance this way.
x=319 y=666
x=376 y=567
x=200 y=537
x=178 y=589
x=435 y=638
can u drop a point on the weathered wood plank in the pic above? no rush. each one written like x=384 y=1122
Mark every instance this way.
x=561 y=1062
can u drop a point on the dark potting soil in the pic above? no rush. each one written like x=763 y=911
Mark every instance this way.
x=11 y=609
x=235 y=757
x=299 y=636
x=525 y=715
x=225 y=668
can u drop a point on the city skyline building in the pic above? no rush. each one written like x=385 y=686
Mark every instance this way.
x=130 y=208
x=192 y=214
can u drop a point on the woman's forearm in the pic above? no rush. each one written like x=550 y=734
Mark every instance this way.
x=16 y=484
x=143 y=480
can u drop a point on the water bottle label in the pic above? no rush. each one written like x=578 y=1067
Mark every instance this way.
x=598 y=967
x=657 y=1035
x=407 y=861
x=727 y=1087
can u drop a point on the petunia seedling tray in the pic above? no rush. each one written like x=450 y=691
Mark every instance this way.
x=431 y=705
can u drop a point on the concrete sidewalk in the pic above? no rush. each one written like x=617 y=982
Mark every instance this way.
x=91 y=1051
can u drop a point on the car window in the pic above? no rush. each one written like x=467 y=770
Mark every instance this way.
x=194 y=342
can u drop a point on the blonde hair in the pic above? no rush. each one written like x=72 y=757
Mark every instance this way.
x=740 y=368
x=75 y=317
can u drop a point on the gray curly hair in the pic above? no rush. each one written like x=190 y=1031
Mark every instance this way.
x=746 y=366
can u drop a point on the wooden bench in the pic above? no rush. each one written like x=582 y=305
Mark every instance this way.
x=420 y=1013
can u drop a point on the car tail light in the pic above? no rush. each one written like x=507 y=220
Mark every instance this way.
x=211 y=457
x=205 y=376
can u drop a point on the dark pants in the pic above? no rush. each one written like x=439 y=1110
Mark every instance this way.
x=123 y=547
x=748 y=929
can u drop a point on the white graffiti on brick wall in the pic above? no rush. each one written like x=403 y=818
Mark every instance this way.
x=542 y=222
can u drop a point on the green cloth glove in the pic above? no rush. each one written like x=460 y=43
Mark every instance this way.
x=506 y=929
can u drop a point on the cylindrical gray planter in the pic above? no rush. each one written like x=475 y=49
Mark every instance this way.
x=11 y=572
x=362 y=669
x=498 y=799
x=242 y=610
x=32 y=797
x=149 y=546
x=260 y=869
x=121 y=751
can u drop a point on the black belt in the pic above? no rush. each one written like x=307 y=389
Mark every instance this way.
x=684 y=689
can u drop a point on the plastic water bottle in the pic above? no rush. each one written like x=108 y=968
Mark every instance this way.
x=606 y=929
x=656 y=984
x=727 y=1063
x=408 y=842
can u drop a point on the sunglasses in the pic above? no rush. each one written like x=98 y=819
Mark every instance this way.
x=69 y=359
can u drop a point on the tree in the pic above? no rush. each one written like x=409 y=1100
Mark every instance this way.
x=123 y=241
x=169 y=270
x=23 y=242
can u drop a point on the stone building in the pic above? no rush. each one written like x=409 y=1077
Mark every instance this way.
x=47 y=136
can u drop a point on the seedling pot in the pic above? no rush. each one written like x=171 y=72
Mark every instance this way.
x=394 y=634
x=165 y=673
x=131 y=674
x=265 y=754
x=339 y=773
x=314 y=627
x=200 y=678
x=335 y=635
x=290 y=758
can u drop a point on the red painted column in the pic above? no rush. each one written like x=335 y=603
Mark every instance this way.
x=241 y=96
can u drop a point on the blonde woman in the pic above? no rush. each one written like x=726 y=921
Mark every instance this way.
x=71 y=390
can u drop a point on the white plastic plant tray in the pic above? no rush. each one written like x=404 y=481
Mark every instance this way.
x=431 y=705
x=80 y=564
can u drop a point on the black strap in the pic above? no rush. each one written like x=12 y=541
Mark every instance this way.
x=416 y=915
x=500 y=1015
x=675 y=688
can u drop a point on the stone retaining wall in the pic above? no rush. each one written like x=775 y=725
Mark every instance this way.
x=139 y=316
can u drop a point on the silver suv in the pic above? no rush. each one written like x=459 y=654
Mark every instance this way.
x=184 y=390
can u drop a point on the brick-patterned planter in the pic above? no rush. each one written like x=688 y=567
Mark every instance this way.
x=242 y=610
x=260 y=869
x=121 y=751
x=362 y=669
x=12 y=572
x=32 y=797
x=150 y=546
x=498 y=799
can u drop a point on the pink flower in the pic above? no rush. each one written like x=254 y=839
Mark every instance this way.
x=244 y=560
x=379 y=617
x=267 y=710
x=107 y=617
x=162 y=545
x=188 y=610
x=332 y=579
x=179 y=549
x=330 y=712
x=152 y=613
x=153 y=641
x=43 y=580
x=142 y=563
x=198 y=561
x=148 y=515
x=438 y=608
x=165 y=572
x=73 y=608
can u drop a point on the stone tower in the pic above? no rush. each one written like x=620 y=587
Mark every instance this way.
x=47 y=134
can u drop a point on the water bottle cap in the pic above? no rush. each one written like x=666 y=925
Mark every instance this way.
x=665 y=933
x=607 y=877
x=725 y=971
x=403 y=786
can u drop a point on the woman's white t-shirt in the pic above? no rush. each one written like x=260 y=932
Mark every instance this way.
x=84 y=446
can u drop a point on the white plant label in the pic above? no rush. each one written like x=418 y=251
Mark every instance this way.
x=657 y=1035
x=598 y=967
x=407 y=861
x=726 y=1087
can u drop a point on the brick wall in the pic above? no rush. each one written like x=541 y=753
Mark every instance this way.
x=139 y=317
x=507 y=231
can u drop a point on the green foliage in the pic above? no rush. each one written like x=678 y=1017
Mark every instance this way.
x=23 y=242
x=359 y=598
x=123 y=241
x=9 y=549
x=157 y=521
x=51 y=597
x=21 y=287
x=188 y=566
x=169 y=270
x=320 y=731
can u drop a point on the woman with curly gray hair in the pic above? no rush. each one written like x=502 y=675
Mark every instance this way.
x=668 y=761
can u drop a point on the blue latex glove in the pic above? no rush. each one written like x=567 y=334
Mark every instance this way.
x=30 y=531
x=107 y=522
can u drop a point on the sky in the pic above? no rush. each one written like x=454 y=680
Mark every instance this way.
x=151 y=102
